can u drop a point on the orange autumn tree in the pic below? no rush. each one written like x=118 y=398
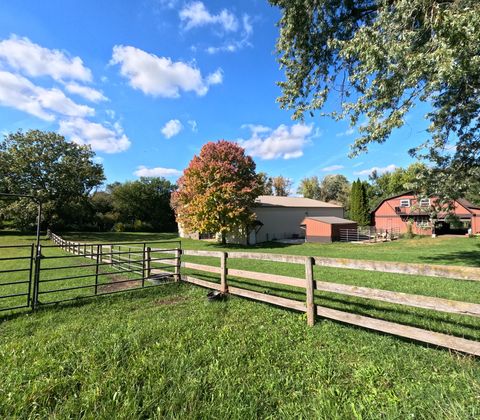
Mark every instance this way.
x=217 y=191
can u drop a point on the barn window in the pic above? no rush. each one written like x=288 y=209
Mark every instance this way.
x=405 y=202
x=425 y=202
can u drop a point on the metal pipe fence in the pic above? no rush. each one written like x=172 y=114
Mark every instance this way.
x=369 y=234
x=33 y=276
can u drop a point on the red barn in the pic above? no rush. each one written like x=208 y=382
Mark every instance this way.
x=395 y=213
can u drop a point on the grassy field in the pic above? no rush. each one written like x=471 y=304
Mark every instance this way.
x=167 y=352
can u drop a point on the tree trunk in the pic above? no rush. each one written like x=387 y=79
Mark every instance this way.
x=224 y=238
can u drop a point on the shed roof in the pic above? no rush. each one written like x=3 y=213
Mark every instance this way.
x=274 y=201
x=331 y=220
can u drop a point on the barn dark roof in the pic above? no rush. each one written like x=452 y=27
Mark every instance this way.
x=331 y=220
x=467 y=204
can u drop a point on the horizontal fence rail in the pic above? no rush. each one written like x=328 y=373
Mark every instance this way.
x=310 y=285
x=92 y=269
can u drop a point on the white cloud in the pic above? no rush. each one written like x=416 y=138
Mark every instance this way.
x=86 y=92
x=32 y=59
x=171 y=128
x=233 y=45
x=160 y=76
x=195 y=14
x=98 y=159
x=150 y=172
x=215 y=78
x=282 y=142
x=110 y=113
x=380 y=171
x=332 y=168
x=348 y=132
x=193 y=125
x=101 y=138
x=18 y=92
x=257 y=128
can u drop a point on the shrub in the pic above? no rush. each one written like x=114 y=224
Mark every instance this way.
x=119 y=227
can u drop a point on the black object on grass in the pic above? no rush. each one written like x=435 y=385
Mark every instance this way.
x=216 y=295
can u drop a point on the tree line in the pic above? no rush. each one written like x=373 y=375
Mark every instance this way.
x=216 y=192
x=64 y=177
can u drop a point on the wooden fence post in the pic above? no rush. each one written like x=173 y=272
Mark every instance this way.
x=178 y=254
x=310 y=287
x=223 y=273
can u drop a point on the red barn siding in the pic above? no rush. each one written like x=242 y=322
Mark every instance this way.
x=386 y=217
x=318 y=231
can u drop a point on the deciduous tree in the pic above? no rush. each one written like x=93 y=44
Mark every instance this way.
x=217 y=191
x=386 y=56
x=281 y=186
x=310 y=188
x=145 y=202
x=60 y=173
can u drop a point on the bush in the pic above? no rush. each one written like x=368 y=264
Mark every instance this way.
x=119 y=227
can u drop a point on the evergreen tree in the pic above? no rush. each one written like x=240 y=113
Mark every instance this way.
x=359 y=211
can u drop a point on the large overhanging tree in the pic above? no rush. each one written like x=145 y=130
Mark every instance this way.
x=59 y=173
x=382 y=57
x=217 y=191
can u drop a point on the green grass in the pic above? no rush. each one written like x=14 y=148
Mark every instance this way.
x=167 y=352
x=424 y=250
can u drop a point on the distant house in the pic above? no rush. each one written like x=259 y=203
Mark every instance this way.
x=326 y=229
x=397 y=211
x=279 y=218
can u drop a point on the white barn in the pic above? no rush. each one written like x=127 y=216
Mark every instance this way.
x=279 y=218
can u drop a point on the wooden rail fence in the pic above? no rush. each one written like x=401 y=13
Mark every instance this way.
x=309 y=284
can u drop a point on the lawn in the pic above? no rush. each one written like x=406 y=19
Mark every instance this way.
x=167 y=352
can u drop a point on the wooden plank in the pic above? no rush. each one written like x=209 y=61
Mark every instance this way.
x=201 y=267
x=268 y=257
x=275 y=300
x=418 y=301
x=309 y=285
x=270 y=278
x=413 y=333
x=427 y=270
x=199 y=282
x=196 y=253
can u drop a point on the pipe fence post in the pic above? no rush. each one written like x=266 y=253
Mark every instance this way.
x=310 y=287
x=98 y=260
x=144 y=268
x=36 y=277
x=223 y=273
x=149 y=262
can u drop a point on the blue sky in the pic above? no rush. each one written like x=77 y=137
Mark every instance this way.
x=148 y=82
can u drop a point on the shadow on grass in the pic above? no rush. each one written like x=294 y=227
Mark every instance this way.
x=468 y=258
x=364 y=307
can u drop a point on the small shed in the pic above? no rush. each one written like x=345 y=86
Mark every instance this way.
x=325 y=229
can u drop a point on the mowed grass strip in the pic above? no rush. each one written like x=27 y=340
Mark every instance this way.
x=167 y=352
